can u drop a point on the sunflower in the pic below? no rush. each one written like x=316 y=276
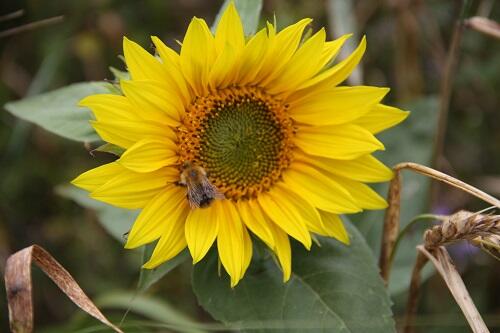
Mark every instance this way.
x=236 y=135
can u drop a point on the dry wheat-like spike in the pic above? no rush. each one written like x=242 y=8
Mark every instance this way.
x=462 y=225
x=489 y=243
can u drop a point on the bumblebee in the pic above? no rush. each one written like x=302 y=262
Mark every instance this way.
x=200 y=192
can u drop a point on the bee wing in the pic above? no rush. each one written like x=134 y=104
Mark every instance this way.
x=195 y=194
x=212 y=191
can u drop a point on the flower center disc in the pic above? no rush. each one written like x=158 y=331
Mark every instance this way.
x=241 y=137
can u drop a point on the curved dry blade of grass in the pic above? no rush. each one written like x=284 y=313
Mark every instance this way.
x=18 y=285
x=484 y=25
x=442 y=177
x=392 y=214
x=444 y=265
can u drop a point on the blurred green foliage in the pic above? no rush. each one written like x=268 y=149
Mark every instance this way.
x=407 y=44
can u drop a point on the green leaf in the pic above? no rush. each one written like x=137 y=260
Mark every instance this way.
x=333 y=288
x=116 y=221
x=58 y=111
x=148 y=277
x=410 y=141
x=119 y=75
x=149 y=307
x=111 y=149
x=249 y=11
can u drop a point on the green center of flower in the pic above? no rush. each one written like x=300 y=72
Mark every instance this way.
x=241 y=137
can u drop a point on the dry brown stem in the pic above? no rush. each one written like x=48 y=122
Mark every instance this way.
x=414 y=293
x=444 y=265
x=31 y=26
x=462 y=226
x=18 y=285
x=391 y=226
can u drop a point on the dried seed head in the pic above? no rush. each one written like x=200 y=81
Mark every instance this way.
x=462 y=225
x=490 y=244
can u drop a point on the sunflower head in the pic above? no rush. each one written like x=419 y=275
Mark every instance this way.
x=233 y=138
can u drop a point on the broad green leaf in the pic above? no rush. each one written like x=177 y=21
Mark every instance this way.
x=333 y=288
x=249 y=11
x=148 y=277
x=151 y=308
x=410 y=141
x=58 y=112
x=116 y=221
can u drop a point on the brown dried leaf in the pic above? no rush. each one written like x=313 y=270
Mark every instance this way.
x=19 y=288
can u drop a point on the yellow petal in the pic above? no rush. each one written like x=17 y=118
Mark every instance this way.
x=283 y=251
x=381 y=117
x=302 y=66
x=107 y=107
x=201 y=230
x=248 y=250
x=250 y=61
x=363 y=195
x=141 y=64
x=154 y=102
x=309 y=214
x=282 y=212
x=338 y=73
x=334 y=226
x=364 y=169
x=94 y=178
x=230 y=30
x=169 y=245
x=323 y=192
x=172 y=241
x=336 y=106
x=171 y=61
x=149 y=155
x=343 y=142
x=331 y=49
x=282 y=46
x=125 y=133
x=255 y=220
x=197 y=55
x=222 y=72
x=160 y=217
x=230 y=242
x=134 y=190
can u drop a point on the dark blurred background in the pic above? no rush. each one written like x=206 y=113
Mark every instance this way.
x=407 y=51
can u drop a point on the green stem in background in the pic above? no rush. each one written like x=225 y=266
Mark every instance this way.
x=405 y=230
x=446 y=86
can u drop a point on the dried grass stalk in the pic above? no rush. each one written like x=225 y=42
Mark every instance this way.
x=444 y=265
x=18 y=285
